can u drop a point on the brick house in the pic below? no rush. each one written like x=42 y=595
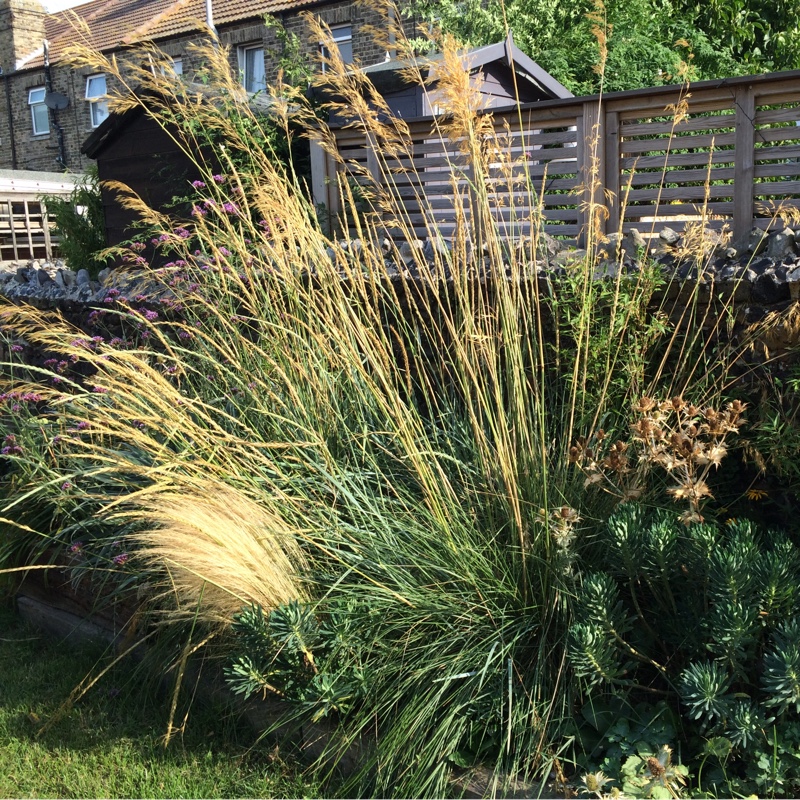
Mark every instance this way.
x=47 y=110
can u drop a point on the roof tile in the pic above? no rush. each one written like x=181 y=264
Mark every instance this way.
x=110 y=24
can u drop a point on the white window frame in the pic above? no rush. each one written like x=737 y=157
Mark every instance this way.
x=342 y=35
x=98 y=104
x=36 y=97
x=246 y=78
x=169 y=67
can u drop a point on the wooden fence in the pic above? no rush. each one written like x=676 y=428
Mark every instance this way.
x=25 y=231
x=725 y=150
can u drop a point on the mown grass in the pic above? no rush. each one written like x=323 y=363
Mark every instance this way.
x=109 y=744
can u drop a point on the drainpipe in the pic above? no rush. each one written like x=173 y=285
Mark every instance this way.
x=392 y=31
x=10 y=120
x=48 y=82
x=210 y=22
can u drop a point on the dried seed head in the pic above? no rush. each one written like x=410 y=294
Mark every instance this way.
x=657 y=770
x=645 y=405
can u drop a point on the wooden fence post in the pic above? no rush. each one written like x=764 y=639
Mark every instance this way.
x=612 y=178
x=48 y=243
x=324 y=185
x=744 y=166
x=592 y=164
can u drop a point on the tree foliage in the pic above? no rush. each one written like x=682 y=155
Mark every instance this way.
x=648 y=42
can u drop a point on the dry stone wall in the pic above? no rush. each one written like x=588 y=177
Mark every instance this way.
x=760 y=273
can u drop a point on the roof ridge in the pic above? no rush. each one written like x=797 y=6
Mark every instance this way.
x=176 y=6
x=68 y=14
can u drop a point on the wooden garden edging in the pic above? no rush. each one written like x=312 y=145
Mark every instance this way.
x=652 y=157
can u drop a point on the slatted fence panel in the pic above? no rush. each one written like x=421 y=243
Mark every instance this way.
x=25 y=231
x=776 y=169
x=677 y=170
x=726 y=153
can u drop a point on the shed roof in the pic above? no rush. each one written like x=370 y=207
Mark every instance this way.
x=391 y=74
x=117 y=121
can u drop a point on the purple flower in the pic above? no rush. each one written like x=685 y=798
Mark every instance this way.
x=218 y=178
x=75 y=547
x=185 y=335
x=152 y=316
x=198 y=212
x=11 y=447
x=17 y=348
x=99 y=389
x=56 y=439
x=198 y=184
x=120 y=559
x=66 y=485
x=138 y=246
x=82 y=425
x=224 y=251
x=230 y=208
x=183 y=233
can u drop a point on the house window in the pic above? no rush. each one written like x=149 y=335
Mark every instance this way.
x=251 y=68
x=343 y=38
x=39 y=115
x=95 y=94
x=169 y=67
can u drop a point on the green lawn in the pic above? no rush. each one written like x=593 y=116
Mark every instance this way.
x=110 y=743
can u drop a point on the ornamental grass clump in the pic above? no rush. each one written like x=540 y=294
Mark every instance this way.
x=363 y=472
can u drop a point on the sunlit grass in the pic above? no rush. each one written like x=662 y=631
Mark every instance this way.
x=110 y=744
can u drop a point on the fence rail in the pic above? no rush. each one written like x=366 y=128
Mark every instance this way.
x=726 y=151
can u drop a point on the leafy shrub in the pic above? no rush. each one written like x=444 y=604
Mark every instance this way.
x=706 y=615
x=80 y=224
